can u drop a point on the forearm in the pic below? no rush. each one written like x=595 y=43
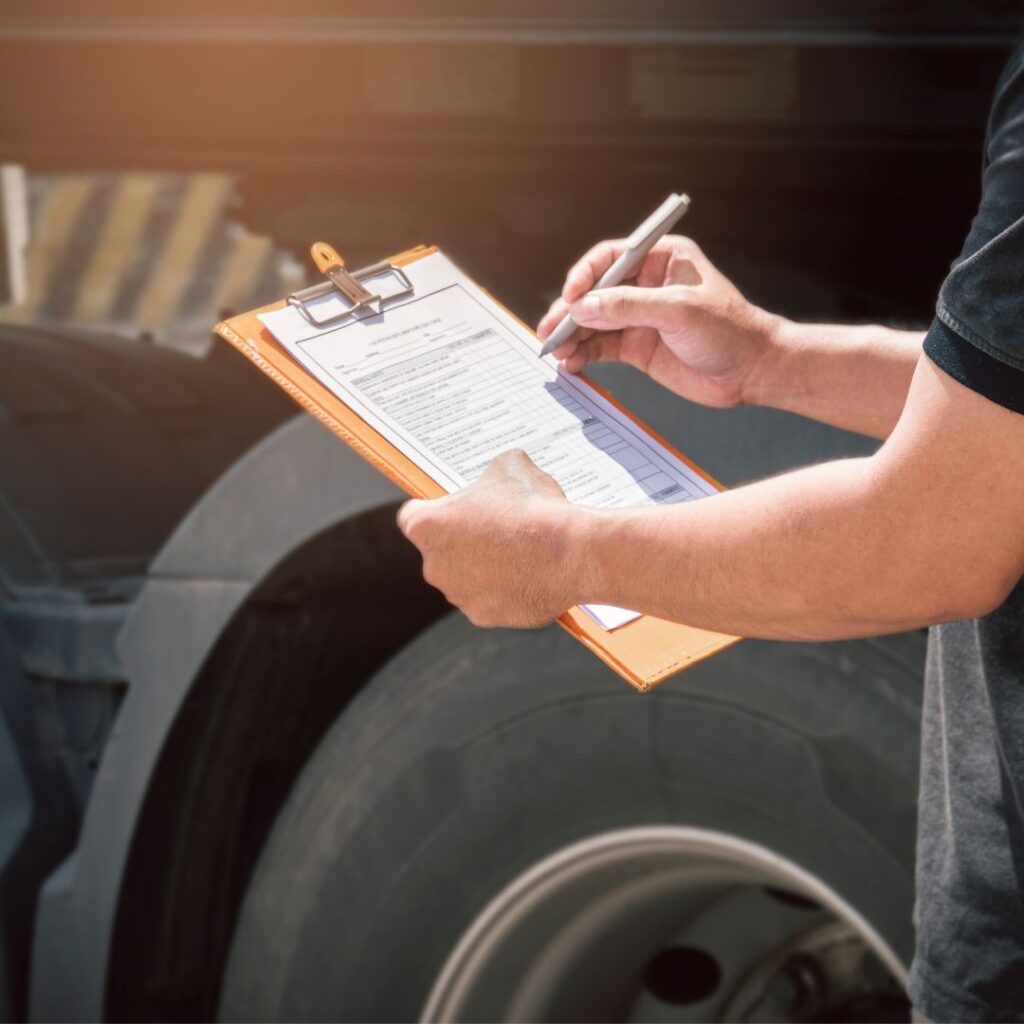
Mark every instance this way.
x=925 y=530
x=818 y=554
x=856 y=378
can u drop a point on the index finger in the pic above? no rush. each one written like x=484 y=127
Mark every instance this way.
x=552 y=317
x=585 y=272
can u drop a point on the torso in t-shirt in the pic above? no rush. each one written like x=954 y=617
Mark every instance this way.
x=969 y=963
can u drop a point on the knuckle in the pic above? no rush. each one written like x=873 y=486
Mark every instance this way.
x=430 y=573
x=409 y=525
x=576 y=283
x=615 y=304
x=404 y=515
x=510 y=457
x=686 y=245
x=482 y=620
x=420 y=527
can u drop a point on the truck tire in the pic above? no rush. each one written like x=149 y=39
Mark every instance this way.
x=500 y=828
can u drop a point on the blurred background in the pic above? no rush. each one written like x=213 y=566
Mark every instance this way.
x=203 y=600
x=517 y=135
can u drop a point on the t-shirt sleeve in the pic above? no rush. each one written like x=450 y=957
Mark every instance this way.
x=977 y=336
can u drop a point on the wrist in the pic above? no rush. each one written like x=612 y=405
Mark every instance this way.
x=774 y=335
x=578 y=530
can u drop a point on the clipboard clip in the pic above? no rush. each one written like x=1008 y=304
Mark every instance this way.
x=350 y=285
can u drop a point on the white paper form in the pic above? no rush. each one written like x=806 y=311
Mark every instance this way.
x=452 y=380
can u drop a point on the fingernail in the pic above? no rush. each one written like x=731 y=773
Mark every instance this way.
x=587 y=308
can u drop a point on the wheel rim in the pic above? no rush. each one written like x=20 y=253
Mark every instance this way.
x=668 y=924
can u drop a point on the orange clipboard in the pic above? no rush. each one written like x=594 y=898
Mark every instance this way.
x=644 y=652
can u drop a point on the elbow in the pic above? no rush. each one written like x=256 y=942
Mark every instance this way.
x=968 y=589
x=981 y=597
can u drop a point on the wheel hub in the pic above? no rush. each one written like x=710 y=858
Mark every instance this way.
x=668 y=924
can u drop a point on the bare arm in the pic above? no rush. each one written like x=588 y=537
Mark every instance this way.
x=926 y=530
x=856 y=378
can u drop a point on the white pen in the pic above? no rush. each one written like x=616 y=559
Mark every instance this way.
x=638 y=245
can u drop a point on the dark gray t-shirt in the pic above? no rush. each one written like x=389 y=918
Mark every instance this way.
x=969 y=964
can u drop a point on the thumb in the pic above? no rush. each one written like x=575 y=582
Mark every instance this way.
x=614 y=308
